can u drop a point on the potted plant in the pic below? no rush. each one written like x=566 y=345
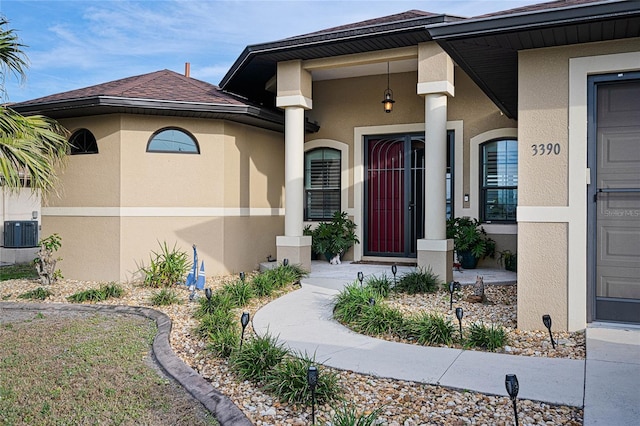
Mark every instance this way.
x=470 y=241
x=333 y=238
x=508 y=260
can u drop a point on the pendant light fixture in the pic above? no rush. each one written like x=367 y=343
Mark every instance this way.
x=388 y=95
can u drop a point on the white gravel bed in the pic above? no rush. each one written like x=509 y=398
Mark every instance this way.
x=403 y=403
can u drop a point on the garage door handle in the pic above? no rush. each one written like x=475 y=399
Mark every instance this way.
x=615 y=191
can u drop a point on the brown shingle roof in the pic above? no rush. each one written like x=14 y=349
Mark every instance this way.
x=403 y=16
x=539 y=6
x=162 y=85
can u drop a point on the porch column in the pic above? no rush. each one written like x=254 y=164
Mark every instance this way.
x=435 y=83
x=294 y=96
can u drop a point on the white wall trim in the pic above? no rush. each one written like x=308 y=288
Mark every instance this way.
x=474 y=166
x=579 y=70
x=161 y=211
x=431 y=87
x=344 y=170
x=547 y=214
x=294 y=101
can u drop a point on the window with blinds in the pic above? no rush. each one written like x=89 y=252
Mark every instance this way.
x=499 y=188
x=321 y=183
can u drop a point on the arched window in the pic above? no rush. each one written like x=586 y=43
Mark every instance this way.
x=173 y=140
x=499 y=181
x=322 y=170
x=83 y=142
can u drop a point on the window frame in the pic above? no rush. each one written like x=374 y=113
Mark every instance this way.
x=168 y=151
x=83 y=150
x=337 y=192
x=484 y=188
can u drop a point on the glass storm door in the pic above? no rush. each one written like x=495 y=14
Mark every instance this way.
x=394 y=195
x=614 y=155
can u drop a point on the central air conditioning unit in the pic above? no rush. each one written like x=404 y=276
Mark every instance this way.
x=21 y=233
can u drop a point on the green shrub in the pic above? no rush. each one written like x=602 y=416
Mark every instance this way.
x=379 y=319
x=490 y=338
x=224 y=342
x=211 y=323
x=257 y=357
x=430 y=329
x=112 y=291
x=239 y=292
x=351 y=301
x=263 y=285
x=165 y=297
x=381 y=284
x=45 y=262
x=37 y=294
x=219 y=301
x=288 y=381
x=418 y=281
x=166 y=268
x=347 y=415
x=97 y=294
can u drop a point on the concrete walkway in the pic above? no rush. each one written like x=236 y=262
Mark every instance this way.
x=303 y=321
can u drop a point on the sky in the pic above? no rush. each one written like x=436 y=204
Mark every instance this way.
x=72 y=44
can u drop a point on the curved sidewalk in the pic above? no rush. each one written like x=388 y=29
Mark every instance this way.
x=303 y=321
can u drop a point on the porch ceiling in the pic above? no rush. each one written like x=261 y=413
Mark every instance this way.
x=487 y=48
x=250 y=74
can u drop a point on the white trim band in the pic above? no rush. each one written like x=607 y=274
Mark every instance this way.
x=162 y=211
x=435 y=245
x=433 y=87
x=294 y=101
x=543 y=214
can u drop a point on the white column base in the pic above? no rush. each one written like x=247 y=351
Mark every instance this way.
x=437 y=255
x=296 y=249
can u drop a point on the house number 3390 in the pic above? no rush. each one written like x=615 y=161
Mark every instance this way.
x=548 y=149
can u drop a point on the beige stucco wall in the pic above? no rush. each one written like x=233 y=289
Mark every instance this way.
x=546 y=216
x=117 y=206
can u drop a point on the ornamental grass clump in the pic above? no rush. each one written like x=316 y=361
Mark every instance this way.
x=224 y=342
x=97 y=294
x=352 y=300
x=430 y=329
x=486 y=337
x=37 y=294
x=288 y=381
x=347 y=415
x=379 y=319
x=258 y=356
x=217 y=320
x=165 y=297
x=418 y=281
x=166 y=268
x=239 y=293
x=381 y=284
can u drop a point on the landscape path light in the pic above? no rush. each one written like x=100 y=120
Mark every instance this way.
x=452 y=288
x=511 y=383
x=394 y=271
x=242 y=276
x=360 y=277
x=244 y=320
x=372 y=301
x=207 y=292
x=285 y=261
x=459 y=315
x=312 y=381
x=546 y=320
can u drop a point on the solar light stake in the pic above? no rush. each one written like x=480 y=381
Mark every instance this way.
x=452 y=288
x=372 y=301
x=207 y=292
x=242 y=276
x=511 y=383
x=360 y=277
x=394 y=271
x=546 y=320
x=285 y=262
x=244 y=320
x=459 y=314
x=312 y=381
